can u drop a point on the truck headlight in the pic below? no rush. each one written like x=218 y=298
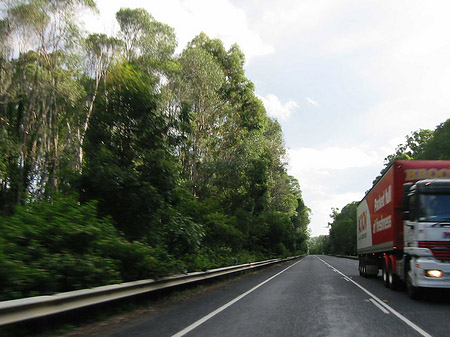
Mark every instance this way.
x=433 y=273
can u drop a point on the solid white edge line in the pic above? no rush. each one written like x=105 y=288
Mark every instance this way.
x=223 y=307
x=378 y=306
x=387 y=307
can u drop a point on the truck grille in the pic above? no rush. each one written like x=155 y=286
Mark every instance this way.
x=440 y=249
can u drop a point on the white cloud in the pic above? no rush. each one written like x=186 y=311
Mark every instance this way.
x=403 y=57
x=221 y=19
x=218 y=19
x=398 y=116
x=275 y=108
x=325 y=176
x=312 y=102
x=283 y=19
x=321 y=203
x=333 y=158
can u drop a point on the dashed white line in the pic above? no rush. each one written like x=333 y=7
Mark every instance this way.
x=382 y=304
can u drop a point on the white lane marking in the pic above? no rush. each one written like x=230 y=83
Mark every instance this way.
x=387 y=307
x=223 y=307
x=378 y=306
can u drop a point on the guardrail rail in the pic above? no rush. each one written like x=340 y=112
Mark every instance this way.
x=20 y=310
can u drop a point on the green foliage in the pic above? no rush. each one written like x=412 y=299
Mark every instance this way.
x=233 y=154
x=61 y=246
x=342 y=237
x=411 y=149
x=438 y=146
x=421 y=145
x=208 y=258
x=148 y=42
x=186 y=169
x=319 y=245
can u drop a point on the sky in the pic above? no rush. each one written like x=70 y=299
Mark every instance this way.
x=347 y=80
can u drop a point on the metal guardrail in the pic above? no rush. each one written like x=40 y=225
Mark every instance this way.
x=19 y=310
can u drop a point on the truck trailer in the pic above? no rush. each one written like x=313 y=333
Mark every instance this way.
x=403 y=226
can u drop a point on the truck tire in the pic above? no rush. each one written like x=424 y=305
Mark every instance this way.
x=393 y=280
x=385 y=275
x=362 y=268
x=413 y=292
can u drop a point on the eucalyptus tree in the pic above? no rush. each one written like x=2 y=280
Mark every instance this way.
x=44 y=92
x=232 y=153
x=5 y=64
x=199 y=82
x=216 y=110
x=129 y=166
x=101 y=52
x=6 y=143
x=148 y=42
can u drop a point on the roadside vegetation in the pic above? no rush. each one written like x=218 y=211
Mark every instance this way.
x=121 y=160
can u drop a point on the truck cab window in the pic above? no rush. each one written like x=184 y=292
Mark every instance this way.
x=434 y=207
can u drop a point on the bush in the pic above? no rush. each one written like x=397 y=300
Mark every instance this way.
x=61 y=246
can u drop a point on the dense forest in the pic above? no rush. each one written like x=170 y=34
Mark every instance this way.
x=122 y=160
x=419 y=145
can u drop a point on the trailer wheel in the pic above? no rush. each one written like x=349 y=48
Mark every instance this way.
x=385 y=275
x=393 y=280
x=362 y=267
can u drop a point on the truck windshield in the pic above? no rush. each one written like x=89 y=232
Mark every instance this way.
x=434 y=207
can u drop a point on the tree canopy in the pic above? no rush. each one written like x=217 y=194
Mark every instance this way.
x=342 y=237
x=163 y=162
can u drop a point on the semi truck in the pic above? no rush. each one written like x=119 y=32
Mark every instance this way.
x=403 y=227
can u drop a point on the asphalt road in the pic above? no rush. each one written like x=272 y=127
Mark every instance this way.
x=315 y=296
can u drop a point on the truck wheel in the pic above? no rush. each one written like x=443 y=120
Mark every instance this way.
x=362 y=268
x=413 y=292
x=384 y=272
x=392 y=278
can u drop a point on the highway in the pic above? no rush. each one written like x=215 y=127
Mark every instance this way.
x=314 y=296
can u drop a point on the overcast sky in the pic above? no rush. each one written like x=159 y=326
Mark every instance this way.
x=347 y=79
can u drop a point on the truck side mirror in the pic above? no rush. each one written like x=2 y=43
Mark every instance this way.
x=405 y=215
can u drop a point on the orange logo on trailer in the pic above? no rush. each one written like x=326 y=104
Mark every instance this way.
x=362 y=222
